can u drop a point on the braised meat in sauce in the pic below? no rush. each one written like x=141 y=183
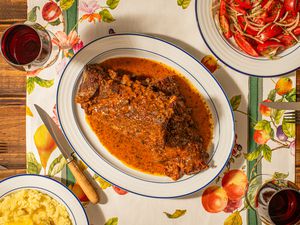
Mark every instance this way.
x=146 y=119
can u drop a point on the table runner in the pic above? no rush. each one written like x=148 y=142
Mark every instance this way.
x=263 y=140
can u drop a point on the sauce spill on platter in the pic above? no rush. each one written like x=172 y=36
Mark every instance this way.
x=127 y=149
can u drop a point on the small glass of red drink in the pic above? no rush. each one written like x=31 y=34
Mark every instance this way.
x=28 y=46
x=275 y=200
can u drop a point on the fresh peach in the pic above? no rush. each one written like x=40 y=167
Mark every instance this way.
x=210 y=63
x=235 y=184
x=264 y=110
x=284 y=85
x=261 y=137
x=214 y=199
x=44 y=144
x=79 y=192
x=51 y=11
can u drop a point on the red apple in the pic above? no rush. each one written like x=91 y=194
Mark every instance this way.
x=235 y=184
x=261 y=137
x=214 y=199
x=264 y=110
x=51 y=11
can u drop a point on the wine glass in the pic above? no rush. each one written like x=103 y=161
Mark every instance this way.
x=28 y=46
x=275 y=200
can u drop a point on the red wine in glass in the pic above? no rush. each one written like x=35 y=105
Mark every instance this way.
x=21 y=45
x=284 y=207
x=278 y=202
x=26 y=46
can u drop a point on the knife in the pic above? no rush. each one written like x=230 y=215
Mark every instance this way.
x=68 y=153
x=283 y=105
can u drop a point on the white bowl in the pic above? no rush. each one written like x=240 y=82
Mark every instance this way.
x=237 y=60
x=51 y=187
x=88 y=147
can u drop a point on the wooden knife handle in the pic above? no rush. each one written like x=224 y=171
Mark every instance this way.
x=83 y=182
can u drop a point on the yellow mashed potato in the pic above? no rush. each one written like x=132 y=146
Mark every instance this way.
x=32 y=207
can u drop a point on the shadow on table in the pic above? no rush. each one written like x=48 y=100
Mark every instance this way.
x=100 y=192
x=95 y=214
x=90 y=208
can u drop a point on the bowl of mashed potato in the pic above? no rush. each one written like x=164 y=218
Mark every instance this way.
x=38 y=200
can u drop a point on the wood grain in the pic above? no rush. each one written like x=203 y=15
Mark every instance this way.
x=12 y=11
x=12 y=99
x=297 y=144
x=10 y=172
x=12 y=133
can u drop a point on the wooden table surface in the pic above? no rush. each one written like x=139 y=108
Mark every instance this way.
x=12 y=98
x=13 y=102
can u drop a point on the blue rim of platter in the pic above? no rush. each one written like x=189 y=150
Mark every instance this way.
x=96 y=152
x=188 y=54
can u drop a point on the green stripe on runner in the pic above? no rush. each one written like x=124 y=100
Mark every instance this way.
x=255 y=91
x=71 y=18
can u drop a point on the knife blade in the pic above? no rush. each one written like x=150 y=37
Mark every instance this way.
x=68 y=153
x=283 y=105
x=56 y=134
